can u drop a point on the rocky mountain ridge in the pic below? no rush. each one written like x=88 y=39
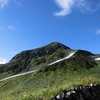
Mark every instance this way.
x=37 y=58
x=42 y=51
x=58 y=68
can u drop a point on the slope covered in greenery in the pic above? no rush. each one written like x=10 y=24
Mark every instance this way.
x=42 y=85
x=34 y=59
x=49 y=80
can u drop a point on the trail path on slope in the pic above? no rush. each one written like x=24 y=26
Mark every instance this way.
x=70 y=55
x=17 y=75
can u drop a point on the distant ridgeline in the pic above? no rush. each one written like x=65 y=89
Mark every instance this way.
x=37 y=58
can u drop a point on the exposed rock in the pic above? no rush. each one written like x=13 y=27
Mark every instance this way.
x=89 y=92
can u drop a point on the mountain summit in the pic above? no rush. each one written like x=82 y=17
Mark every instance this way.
x=52 y=53
x=35 y=58
x=39 y=52
x=52 y=67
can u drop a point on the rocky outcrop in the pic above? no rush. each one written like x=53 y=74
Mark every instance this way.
x=89 y=92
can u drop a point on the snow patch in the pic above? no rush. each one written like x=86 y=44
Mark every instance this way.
x=3 y=61
x=70 y=55
x=97 y=58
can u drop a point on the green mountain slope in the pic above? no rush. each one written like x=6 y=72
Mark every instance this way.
x=37 y=58
x=81 y=60
x=50 y=80
x=34 y=59
x=80 y=68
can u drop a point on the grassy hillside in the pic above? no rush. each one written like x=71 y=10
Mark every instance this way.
x=37 y=86
x=50 y=80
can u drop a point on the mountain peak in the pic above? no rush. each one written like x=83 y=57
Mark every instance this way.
x=39 y=52
x=58 y=45
x=39 y=57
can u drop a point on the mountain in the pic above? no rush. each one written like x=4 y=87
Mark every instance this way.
x=58 y=67
x=80 y=60
x=36 y=58
x=39 y=52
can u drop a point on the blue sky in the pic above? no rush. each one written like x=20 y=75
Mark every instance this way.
x=29 y=24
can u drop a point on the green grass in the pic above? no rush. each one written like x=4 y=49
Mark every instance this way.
x=5 y=74
x=30 y=87
x=49 y=80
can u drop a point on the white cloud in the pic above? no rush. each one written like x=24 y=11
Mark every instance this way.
x=19 y=4
x=3 y=3
x=11 y=27
x=2 y=28
x=98 y=31
x=84 y=6
x=87 y=6
x=65 y=6
x=3 y=61
x=13 y=53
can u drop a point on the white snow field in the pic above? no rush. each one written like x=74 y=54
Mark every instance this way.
x=97 y=58
x=70 y=55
